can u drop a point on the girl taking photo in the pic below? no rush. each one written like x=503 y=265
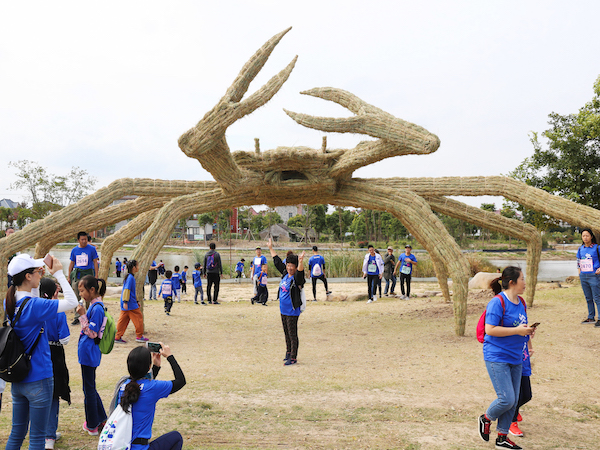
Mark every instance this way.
x=506 y=332
x=32 y=397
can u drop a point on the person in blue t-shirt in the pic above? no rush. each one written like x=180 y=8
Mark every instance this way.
x=506 y=332
x=32 y=397
x=166 y=290
x=176 y=280
x=184 y=280
x=142 y=391
x=588 y=263
x=118 y=265
x=197 y=278
x=316 y=267
x=84 y=261
x=255 y=268
x=290 y=299
x=263 y=292
x=239 y=269
x=372 y=271
x=130 y=309
x=58 y=336
x=406 y=261
x=92 y=290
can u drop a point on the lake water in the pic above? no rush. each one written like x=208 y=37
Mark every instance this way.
x=549 y=270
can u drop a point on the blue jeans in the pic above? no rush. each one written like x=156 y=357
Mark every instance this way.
x=590 y=283
x=153 y=291
x=199 y=289
x=52 y=420
x=506 y=379
x=31 y=404
x=94 y=409
x=387 y=283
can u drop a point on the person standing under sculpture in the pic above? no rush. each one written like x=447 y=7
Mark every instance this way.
x=316 y=266
x=406 y=261
x=389 y=264
x=213 y=271
x=588 y=263
x=84 y=261
x=372 y=271
x=152 y=277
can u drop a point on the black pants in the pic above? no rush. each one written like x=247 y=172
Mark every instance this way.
x=118 y=273
x=212 y=279
x=183 y=287
x=239 y=274
x=314 y=284
x=290 y=328
x=404 y=277
x=168 y=303
x=372 y=281
x=170 y=441
x=524 y=395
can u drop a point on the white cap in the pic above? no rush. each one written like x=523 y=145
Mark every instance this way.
x=23 y=262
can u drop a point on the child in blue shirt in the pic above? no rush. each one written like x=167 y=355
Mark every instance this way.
x=239 y=269
x=176 y=280
x=197 y=277
x=166 y=290
x=263 y=293
x=184 y=279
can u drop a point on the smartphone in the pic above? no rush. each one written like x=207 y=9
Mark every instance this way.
x=154 y=347
x=48 y=260
x=534 y=325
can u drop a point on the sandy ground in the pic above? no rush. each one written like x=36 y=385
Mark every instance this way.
x=390 y=374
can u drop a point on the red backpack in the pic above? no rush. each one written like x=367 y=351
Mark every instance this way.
x=481 y=323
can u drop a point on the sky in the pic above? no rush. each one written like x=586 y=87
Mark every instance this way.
x=110 y=86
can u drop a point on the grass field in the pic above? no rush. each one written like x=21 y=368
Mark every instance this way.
x=385 y=375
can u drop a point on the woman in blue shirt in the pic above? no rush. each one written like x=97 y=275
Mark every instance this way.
x=130 y=309
x=290 y=299
x=32 y=397
x=140 y=393
x=588 y=263
x=92 y=324
x=506 y=332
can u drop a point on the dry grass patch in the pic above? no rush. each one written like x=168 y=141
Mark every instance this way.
x=390 y=374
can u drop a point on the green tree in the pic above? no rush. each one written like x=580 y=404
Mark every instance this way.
x=296 y=221
x=568 y=164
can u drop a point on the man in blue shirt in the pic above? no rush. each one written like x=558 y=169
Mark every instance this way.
x=406 y=261
x=316 y=265
x=84 y=261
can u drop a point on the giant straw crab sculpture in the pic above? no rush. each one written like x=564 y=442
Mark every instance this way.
x=292 y=175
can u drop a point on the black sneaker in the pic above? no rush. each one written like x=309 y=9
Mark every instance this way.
x=504 y=442
x=597 y=324
x=328 y=293
x=216 y=303
x=287 y=356
x=291 y=361
x=484 y=427
x=586 y=321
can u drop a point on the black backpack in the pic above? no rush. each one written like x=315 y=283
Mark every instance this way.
x=15 y=363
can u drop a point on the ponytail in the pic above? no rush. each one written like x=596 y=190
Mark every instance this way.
x=138 y=364
x=11 y=300
x=511 y=273
x=98 y=284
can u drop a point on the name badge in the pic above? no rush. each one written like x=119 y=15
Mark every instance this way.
x=81 y=260
x=586 y=265
x=372 y=268
x=166 y=289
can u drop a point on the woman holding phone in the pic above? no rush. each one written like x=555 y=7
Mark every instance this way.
x=32 y=397
x=141 y=392
x=506 y=333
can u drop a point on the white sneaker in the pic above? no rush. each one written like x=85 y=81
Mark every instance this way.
x=374 y=299
x=370 y=300
x=58 y=435
x=49 y=444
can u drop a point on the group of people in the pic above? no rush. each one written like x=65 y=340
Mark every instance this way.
x=375 y=267
x=38 y=318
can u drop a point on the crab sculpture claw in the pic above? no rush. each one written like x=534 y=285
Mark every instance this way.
x=394 y=136
x=206 y=141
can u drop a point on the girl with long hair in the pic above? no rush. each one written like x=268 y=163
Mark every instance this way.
x=32 y=397
x=92 y=290
x=142 y=391
x=130 y=309
x=506 y=333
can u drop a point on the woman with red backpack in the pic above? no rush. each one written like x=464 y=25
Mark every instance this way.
x=506 y=332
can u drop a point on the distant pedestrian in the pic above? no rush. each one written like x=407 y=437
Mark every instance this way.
x=372 y=271
x=588 y=264
x=214 y=271
x=316 y=266
x=263 y=292
x=152 y=278
x=118 y=265
x=166 y=290
x=255 y=268
x=389 y=264
x=176 y=280
x=239 y=269
x=184 y=280
x=197 y=278
x=406 y=261
x=161 y=268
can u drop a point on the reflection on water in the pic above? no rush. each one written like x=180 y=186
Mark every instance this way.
x=549 y=270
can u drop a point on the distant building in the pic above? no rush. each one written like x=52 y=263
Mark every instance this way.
x=7 y=203
x=282 y=233
x=287 y=212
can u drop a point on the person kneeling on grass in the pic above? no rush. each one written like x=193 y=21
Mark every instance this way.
x=140 y=394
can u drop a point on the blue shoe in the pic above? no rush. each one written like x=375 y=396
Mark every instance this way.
x=289 y=362
x=121 y=341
